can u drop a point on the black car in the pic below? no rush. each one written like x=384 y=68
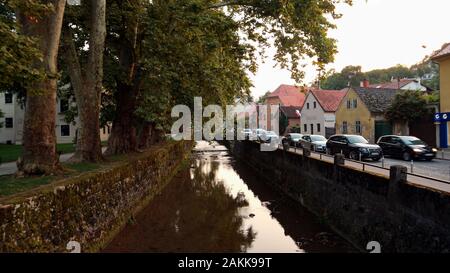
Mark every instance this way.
x=407 y=148
x=293 y=140
x=354 y=147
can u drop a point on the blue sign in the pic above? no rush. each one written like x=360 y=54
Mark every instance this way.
x=441 y=117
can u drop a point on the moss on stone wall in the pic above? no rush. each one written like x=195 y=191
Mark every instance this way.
x=90 y=208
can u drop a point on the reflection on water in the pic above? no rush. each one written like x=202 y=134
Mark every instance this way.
x=218 y=205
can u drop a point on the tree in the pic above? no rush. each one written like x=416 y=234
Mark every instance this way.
x=407 y=107
x=85 y=68
x=19 y=52
x=39 y=140
x=298 y=29
x=349 y=76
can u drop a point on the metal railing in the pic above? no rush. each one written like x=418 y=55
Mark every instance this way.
x=364 y=166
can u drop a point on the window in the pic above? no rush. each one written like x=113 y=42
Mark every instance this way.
x=312 y=129
x=349 y=104
x=355 y=103
x=65 y=130
x=307 y=105
x=8 y=97
x=358 y=127
x=318 y=127
x=345 y=127
x=63 y=106
x=305 y=128
x=104 y=130
x=315 y=105
x=386 y=140
x=9 y=123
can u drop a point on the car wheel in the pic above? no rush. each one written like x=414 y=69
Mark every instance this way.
x=406 y=156
x=328 y=151
x=377 y=159
x=354 y=156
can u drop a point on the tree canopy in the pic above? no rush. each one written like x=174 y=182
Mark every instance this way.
x=408 y=106
x=353 y=75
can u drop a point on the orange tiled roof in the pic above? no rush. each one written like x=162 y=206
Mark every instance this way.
x=289 y=95
x=329 y=99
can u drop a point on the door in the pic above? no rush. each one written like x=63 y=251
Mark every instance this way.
x=382 y=128
x=397 y=147
x=385 y=144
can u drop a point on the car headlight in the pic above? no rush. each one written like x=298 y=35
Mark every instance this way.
x=434 y=150
x=418 y=150
x=364 y=150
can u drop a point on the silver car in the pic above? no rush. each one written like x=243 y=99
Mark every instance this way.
x=315 y=143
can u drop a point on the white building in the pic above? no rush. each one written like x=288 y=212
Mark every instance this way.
x=12 y=130
x=402 y=84
x=318 y=115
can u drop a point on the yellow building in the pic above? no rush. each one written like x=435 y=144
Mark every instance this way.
x=361 y=112
x=442 y=57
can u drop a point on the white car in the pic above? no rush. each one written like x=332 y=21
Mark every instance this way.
x=257 y=134
x=269 y=136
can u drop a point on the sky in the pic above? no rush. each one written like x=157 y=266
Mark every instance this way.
x=374 y=34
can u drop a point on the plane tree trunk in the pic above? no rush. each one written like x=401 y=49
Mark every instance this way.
x=39 y=139
x=88 y=86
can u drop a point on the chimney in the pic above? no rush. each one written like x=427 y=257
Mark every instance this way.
x=365 y=83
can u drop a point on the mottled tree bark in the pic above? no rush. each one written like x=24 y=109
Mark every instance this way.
x=39 y=139
x=88 y=86
x=123 y=138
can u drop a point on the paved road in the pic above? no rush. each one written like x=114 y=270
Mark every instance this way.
x=439 y=169
x=11 y=167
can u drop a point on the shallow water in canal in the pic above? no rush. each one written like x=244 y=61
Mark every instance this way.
x=216 y=204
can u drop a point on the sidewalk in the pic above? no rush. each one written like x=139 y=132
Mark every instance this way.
x=11 y=167
x=443 y=154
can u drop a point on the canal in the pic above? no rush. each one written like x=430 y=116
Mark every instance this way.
x=216 y=204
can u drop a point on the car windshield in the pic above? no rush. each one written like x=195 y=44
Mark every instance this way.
x=318 y=138
x=412 y=141
x=294 y=136
x=357 y=140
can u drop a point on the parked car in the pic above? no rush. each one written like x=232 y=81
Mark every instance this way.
x=407 y=148
x=247 y=133
x=257 y=134
x=269 y=137
x=315 y=143
x=354 y=147
x=293 y=140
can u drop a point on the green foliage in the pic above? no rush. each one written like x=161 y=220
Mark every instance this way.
x=10 y=185
x=407 y=106
x=18 y=52
x=10 y=153
x=353 y=75
x=283 y=124
x=262 y=99
x=336 y=81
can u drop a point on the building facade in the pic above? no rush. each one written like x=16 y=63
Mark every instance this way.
x=361 y=112
x=318 y=115
x=13 y=120
x=286 y=96
x=442 y=57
